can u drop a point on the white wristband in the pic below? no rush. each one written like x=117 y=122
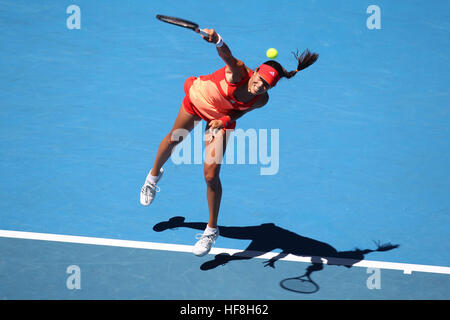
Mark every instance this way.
x=219 y=43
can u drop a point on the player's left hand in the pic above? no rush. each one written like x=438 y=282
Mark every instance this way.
x=215 y=124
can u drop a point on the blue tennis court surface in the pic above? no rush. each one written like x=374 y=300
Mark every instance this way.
x=359 y=153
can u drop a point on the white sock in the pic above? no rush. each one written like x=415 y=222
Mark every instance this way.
x=152 y=179
x=209 y=230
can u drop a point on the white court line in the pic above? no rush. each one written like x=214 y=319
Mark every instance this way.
x=405 y=267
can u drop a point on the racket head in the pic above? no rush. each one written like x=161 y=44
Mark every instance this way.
x=300 y=285
x=178 y=22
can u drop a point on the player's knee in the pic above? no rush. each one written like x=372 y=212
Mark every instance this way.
x=211 y=174
x=173 y=138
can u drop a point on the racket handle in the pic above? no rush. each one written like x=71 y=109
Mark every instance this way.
x=203 y=33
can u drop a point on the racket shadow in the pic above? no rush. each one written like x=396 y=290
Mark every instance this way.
x=268 y=237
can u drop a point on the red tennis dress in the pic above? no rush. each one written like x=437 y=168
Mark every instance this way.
x=212 y=96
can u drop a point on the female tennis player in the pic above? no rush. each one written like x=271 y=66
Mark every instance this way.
x=220 y=99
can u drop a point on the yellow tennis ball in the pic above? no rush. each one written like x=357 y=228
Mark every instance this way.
x=272 y=53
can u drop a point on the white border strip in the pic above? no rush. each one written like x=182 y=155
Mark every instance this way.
x=405 y=267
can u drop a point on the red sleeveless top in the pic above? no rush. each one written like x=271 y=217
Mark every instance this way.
x=219 y=76
x=213 y=96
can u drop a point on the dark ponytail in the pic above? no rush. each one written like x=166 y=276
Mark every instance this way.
x=304 y=61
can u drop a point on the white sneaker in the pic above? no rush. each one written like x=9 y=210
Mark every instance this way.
x=149 y=190
x=203 y=246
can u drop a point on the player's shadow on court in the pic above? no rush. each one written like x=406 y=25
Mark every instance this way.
x=268 y=237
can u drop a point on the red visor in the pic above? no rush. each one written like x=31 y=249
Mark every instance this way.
x=269 y=74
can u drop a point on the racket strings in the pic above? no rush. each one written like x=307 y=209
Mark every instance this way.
x=300 y=285
x=178 y=21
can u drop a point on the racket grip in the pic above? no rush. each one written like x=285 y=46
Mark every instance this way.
x=203 y=33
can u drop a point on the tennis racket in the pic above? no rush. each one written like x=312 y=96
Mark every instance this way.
x=181 y=23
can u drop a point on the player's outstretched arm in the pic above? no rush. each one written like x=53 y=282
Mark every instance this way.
x=235 y=66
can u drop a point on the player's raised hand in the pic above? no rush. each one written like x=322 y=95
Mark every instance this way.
x=211 y=35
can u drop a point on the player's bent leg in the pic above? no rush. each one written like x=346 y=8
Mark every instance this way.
x=184 y=123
